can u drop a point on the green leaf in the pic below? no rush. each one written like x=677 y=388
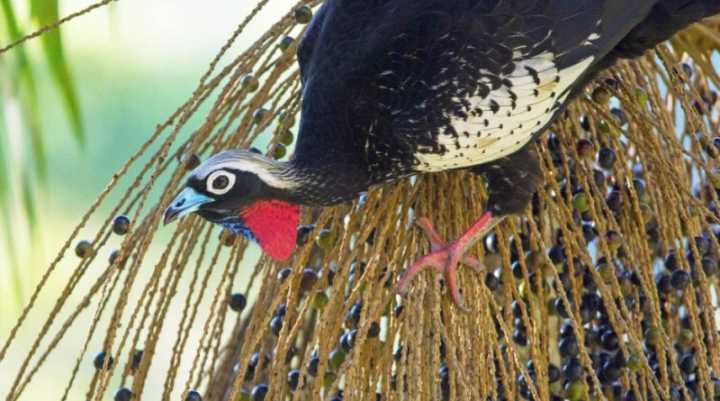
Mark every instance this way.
x=27 y=90
x=28 y=199
x=45 y=12
x=5 y=223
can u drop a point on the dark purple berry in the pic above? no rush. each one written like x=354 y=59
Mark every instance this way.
x=308 y=279
x=121 y=225
x=679 y=279
x=572 y=369
x=619 y=115
x=237 y=302
x=688 y=363
x=303 y=231
x=312 y=365
x=99 y=361
x=703 y=245
x=280 y=310
x=568 y=346
x=710 y=266
x=353 y=315
x=276 y=324
x=553 y=373
x=124 y=394
x=663 y=283
x=293 y=379
x=585 y=148
x=492 y=282
x=606 y=158
x=608 y=373
x=520 y=337
x=373 y=330
x=136 y=360
x=609 y=340
x=258 y=392
x=347 y=340
x=193 y=396
x=557 y=254
x=284 y=273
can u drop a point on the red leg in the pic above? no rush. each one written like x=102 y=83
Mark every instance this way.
x=445 y=257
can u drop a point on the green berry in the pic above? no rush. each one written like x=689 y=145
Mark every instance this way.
x=286 y=137
x=606 y=271
x=601 y=95
x=329 y=379
x=653 y=336
x=285 y=42
x=337 y=357
x=249 y=83
x=279 y=151
x=642 y=97
x=227 y=237
x=576 y=391
x=614 y=240
x=685 y=337
x=83 y=249
x=325 y=239
x=581 y=203
x=190 y=162
x=285 y=119
x=320 y=300
x=634 y=363
x=260 y=114
x=303 y=14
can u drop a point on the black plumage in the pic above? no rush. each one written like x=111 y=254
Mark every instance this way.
x=384 y=81
x=393 y=88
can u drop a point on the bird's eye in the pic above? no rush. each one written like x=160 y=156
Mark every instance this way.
x=220 y=182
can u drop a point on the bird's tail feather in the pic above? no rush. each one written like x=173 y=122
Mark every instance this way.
x=666 y=18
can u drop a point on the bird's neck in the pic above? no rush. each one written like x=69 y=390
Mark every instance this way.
x=322 y=185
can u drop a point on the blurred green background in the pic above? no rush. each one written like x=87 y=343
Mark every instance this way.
x=128 y=66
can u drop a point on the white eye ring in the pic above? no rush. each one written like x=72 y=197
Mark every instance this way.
x=225 y=185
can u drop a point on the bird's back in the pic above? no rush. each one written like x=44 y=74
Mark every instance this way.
x=400 y=86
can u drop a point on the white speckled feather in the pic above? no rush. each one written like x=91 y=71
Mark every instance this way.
x=509 y=117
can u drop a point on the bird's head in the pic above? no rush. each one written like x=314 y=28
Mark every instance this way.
x=244 y=192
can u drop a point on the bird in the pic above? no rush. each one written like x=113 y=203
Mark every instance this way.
x=396 y=88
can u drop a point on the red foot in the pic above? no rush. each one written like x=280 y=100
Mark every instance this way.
x=445 y=257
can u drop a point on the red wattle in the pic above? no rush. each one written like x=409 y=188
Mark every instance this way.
x=274 y=224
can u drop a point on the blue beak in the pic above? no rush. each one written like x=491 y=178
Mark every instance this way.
x=187 y=202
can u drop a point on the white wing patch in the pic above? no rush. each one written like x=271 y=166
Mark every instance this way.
x=506 y=119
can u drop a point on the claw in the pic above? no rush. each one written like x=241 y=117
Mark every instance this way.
x=445 y=257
